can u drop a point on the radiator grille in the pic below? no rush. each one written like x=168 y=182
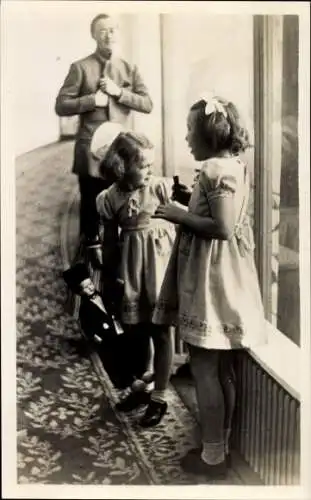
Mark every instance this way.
x=267 y=424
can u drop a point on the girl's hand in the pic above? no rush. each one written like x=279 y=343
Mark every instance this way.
x=170 y=213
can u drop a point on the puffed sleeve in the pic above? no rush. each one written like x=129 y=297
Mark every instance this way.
x=163 y=187
x=105 y=204
x=216 y=182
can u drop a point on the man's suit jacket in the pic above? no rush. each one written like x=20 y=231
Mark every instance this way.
x=77 y=97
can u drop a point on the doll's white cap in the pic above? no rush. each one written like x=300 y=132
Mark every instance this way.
x=104 y=135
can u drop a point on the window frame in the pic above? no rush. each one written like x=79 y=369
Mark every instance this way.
x=262 y=159
x=268 y=55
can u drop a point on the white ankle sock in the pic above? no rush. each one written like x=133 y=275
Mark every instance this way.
x=213 y=453
x=159 y=396
x=148 y=377
x=149 y=387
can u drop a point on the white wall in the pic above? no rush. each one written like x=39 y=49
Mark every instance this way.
x=43 y=38
x=146 y=53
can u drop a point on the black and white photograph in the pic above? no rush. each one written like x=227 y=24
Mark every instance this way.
x=155 y=249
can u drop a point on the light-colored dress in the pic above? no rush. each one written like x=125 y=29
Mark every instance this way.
x=146 y=243
x=210 y=290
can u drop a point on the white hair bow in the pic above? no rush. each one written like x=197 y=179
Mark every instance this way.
x=213 y=105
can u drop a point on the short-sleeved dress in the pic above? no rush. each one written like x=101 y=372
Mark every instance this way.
x=146 y=243
x=210 y=290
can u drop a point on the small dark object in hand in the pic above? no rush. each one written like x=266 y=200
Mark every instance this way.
x=181 y=193
x=176 y=180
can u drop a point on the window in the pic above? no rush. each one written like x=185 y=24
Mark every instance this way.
x=264 y=84
x=197 y=57
x=276 y=169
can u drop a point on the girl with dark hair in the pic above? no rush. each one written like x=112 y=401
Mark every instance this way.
x=210 y=290
x=146 y=246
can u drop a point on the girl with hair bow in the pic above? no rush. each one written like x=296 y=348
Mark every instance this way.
x=210 y=289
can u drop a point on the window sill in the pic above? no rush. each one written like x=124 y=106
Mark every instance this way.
x=280 y=358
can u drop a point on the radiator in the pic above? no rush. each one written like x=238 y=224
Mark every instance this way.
x=267 y=424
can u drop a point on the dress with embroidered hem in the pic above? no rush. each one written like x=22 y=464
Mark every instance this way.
x=210 y=290
x=146 y=243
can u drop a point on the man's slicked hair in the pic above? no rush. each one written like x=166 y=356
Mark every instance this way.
x=97 y=18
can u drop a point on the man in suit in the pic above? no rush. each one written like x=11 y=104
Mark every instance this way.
x=99 y=88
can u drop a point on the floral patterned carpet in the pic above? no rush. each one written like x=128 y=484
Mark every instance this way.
x=68 y=431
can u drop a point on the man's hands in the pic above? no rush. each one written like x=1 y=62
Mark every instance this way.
x=101 y=99
x=109 y=87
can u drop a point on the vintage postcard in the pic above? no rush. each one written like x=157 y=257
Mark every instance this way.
x=155 y=249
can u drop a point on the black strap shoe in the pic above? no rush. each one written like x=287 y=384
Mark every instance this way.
x=154 y=414
x=198 y=451
x=133 y=401
x=192 y=463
